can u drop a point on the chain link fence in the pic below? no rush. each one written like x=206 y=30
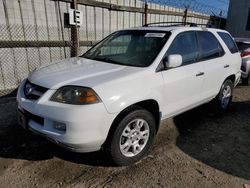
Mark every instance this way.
x=34 y=33
x=23 y=48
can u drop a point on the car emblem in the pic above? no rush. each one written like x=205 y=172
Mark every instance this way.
x=29 y=88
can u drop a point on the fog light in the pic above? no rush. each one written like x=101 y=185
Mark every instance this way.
x=60 y=126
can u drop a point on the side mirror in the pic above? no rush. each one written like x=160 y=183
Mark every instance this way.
x=173 y=61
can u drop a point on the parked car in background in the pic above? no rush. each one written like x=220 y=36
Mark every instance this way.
x=244 y=47
x=115 y=95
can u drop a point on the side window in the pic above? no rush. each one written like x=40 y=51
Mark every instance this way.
x=209 y=46
x=185 y=44
x=229 y=42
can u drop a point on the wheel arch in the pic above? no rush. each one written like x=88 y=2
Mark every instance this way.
x=150 y=105
x=231 y=77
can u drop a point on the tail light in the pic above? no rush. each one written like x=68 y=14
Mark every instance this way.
x=244 y=54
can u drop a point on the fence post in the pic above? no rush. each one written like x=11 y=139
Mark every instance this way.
x=146 y=13
x=185 y=16
x=74 y=34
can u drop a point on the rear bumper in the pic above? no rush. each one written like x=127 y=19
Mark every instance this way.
x=86 y=126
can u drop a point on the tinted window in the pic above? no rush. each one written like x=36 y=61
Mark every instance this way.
x=209 y=46
x=185 y=44
x=229 y=42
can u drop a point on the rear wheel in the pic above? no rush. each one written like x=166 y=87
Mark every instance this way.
x=132 y=137
x=224 y=98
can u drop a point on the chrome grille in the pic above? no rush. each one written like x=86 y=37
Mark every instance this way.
x=32 y=91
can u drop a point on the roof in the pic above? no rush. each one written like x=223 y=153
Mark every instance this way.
x=176 y=28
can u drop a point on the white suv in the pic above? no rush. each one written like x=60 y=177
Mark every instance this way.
x=115 y=95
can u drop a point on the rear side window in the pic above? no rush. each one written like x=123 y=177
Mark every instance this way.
x=185 y=44
x=209 y=46
x=229 y=42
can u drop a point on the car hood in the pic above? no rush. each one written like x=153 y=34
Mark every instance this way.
x=75 y=71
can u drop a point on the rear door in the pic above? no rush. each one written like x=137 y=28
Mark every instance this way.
x=211 y=58
x=182 y=85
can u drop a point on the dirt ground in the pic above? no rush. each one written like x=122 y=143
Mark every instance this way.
x=199 y=148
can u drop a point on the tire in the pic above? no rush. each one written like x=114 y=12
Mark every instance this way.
x=225 y=95
x=246 y=81
x=129 y=144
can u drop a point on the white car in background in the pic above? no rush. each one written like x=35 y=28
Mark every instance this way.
x=244 y=47
x=115 y=95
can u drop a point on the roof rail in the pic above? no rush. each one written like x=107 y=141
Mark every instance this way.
x=164 y=24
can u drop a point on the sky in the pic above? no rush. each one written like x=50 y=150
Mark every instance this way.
x=221 y=4
x=205 y=6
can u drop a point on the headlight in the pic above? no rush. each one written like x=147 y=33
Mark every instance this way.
x=75 y=95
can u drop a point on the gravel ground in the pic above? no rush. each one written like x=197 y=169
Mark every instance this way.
x=199 y=148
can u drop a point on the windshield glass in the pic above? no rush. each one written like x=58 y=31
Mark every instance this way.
x=131 y=47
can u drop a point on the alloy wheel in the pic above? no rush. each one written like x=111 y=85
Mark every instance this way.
x=134 y=137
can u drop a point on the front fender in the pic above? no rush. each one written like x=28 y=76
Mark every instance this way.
x=119 y=95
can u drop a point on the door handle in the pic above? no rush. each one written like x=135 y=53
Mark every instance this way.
x=200 y=74
x=226 y=66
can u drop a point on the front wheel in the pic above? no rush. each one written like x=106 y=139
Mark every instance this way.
x=225 y=96
x=132 y=137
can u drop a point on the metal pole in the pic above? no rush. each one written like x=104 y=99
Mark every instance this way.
x=146 y=13
x=61 y=25
x=185 y=16
x=74 y=34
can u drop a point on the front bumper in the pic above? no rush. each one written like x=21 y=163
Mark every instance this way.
x=86 y=126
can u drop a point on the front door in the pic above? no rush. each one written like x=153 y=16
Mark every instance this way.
x=182 y=85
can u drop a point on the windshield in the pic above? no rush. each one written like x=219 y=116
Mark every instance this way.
x=131 y=47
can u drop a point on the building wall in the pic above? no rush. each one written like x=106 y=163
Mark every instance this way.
x=237 y=18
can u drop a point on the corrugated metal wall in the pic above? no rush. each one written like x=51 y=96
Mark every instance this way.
x=238 y=18
x=42 y=21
